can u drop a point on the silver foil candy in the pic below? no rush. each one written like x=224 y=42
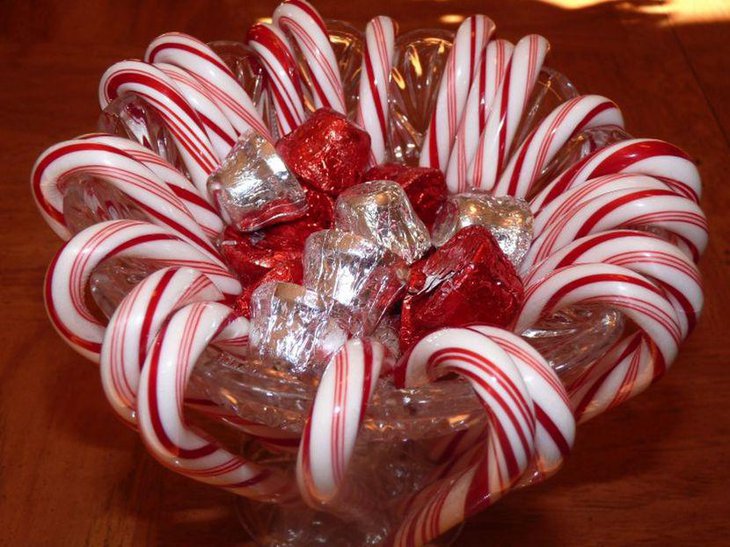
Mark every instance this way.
x=509 y=219
x=380 y=210
x=356 y=272
x=253 y=187
x=386 y=332
x=295 y=329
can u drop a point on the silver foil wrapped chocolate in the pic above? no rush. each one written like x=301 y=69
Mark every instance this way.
x=296 y=329
x=253 y=187
x=508 y=219
x=363 y=276
x=379 y=210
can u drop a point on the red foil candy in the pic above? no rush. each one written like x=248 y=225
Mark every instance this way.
x=327 y=152
x=467 y=281
x=424 y=186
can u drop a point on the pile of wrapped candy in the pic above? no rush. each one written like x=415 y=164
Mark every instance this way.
x=328 y=248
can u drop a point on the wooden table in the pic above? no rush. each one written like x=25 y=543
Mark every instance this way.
x=654 y=471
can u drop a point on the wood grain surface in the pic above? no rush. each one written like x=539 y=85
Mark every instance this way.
x=654 y=471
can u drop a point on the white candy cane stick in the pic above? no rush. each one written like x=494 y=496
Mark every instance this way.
x=306 y=26
x=636 y=361
x=459 y=72
x=495 y=142
x=202 y=211
x=546 y=140
x=558 y=209
x=68 y=275
x=284 y=84
x=199 y=60
x=160 y=92
x=88 y=158
x=485 y=84
x=330 y=433
x=220 y=132
x=639 y=156
x=372 y=107
x=529 y=419
x=166 y=372
x=642 y=253
x=134 y=325
x=658 y=208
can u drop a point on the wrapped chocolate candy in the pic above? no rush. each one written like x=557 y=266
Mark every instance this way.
x=380 y=211
x=468 y=280
x=253 y=187
x=356 y=272
x=295 y=329
x=328 y=152
x=508 y=218
x=425 y=187
x=289 y=271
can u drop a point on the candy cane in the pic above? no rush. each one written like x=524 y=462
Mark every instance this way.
x=642 y=253
x=490 y=72
x=166 y=372
x=559 y=209
x=306 y=26
x=85 y=157
x=70 y=270
x=202 y=211
x=220 y=132
x=212 y=73
x=495 y=142
x=284 y=85
x=544 y=142
x=135 y=323
x=372 y=107
x=529 y=420
x=155 y=87
x=459 y=72
x=633 y=363
x=330 y=432
x=639 y=156
x=659 y=208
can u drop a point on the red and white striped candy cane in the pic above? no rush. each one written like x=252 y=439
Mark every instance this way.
x=160 y=92
x=220 y=132
x=485 y=84
x=642 y=253
x=495 y=142
x=306 y=26
x=529 y=421
x=68 y=275
x=166 y=372
x=135 y=323
x=202 y=211
x=339 y=407
x=461 y=68
x=625 y=208
x=200 y=61
x=94 y=159
x=638 y=156
x=284 y=84
x=634 y=362
x=372 y=106
x=544 y=142
x=558 y=209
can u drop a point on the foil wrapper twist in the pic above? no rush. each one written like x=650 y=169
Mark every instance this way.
x=380 y=210
x=363 y=276
x=295 y=329
x=253 y=186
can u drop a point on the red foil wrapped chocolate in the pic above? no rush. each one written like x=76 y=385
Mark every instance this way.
x=467 y=281
x=424 y=186
x=328 y=152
